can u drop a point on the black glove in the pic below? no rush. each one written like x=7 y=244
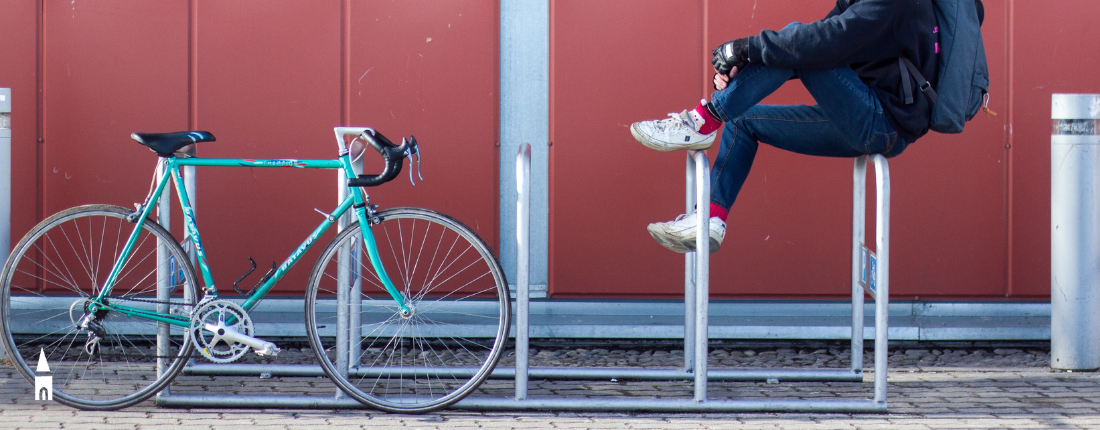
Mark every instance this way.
x=734 y=53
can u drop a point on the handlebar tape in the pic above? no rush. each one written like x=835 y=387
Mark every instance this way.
x=393 y=155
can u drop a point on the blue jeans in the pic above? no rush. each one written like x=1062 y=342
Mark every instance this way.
x=848 y=121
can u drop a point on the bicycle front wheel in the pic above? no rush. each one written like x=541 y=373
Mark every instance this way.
x=115 y=360
x=432 y=357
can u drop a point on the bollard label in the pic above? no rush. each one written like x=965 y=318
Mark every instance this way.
x=1075 y=127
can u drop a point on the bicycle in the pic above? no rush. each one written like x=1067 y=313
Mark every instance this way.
x=81 y=289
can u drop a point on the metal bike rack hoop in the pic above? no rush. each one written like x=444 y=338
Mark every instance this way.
x=696 y=285
x=695 y=331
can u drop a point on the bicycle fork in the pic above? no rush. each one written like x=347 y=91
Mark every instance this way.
x=368 y=217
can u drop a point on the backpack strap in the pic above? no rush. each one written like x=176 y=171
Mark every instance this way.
x=907 y=89
x=908 y=68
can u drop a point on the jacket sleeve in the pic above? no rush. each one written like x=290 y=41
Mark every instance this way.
x=836 y=10
x=827 y=43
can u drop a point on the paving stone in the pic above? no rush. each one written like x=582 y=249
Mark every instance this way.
x=930 y=387
x=134 y=420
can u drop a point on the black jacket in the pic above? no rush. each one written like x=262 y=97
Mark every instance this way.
x=868 y=36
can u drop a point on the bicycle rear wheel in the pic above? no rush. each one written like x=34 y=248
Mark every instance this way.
x=455 y=335
x=44 y=292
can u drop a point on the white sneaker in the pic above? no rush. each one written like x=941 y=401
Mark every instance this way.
x=679 y=131
x=679 y=235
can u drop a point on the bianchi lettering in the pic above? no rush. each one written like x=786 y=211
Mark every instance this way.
x=273 y=163
x=190 y=215
x=298 y=253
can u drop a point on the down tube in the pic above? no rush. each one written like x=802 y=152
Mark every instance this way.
x=294 y=257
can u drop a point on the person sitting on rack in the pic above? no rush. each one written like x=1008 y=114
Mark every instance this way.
x=849 y=62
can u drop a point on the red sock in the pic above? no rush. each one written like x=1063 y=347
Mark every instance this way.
x=709 y=122
x=717 y=211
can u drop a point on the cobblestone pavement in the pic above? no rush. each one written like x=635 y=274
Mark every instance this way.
x=950 y=386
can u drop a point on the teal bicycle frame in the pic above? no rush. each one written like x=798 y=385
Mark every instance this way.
x=171 y=171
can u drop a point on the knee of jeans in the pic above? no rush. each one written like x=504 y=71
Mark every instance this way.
x=793 y=24
x=737 y=127
x=739 y=123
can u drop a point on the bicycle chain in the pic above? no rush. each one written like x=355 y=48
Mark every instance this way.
x=131 y=298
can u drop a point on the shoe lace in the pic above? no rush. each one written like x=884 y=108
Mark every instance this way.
x=691 y=215
x=675 y=121
x=681 y=217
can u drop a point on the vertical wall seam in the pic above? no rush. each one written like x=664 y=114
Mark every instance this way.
x=193 y=64
x=705 y=16
x=497 y=145
x=1009 y=165
x=40 y=112
x=345 y=62
x=550 y=149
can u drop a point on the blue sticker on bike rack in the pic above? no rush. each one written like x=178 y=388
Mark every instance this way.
x=868 y=265
x=874 y=272
x=174 y=276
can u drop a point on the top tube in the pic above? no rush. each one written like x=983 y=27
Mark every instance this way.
x=254 y=162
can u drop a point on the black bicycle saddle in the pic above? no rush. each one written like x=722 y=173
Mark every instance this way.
x=166 y=144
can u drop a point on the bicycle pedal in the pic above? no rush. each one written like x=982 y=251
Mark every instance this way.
x=269 y=350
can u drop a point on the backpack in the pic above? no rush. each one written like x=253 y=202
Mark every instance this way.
x=963 y=84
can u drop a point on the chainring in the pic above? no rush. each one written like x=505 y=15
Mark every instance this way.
x=207 y=324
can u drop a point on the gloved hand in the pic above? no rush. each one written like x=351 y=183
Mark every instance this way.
x=734 y=53
x=721 y=81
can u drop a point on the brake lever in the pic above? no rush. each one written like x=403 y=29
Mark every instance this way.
x=413 y=149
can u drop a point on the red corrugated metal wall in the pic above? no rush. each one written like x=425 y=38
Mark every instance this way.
x=970 y=211
x=270 y=79
x=18 y=48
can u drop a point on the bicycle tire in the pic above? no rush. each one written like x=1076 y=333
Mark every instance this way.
x=62 y=261
x=461 y=312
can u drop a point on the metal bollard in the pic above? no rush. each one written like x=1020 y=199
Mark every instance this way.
x=1075 y=231
x=5 y=180
x=5 y=174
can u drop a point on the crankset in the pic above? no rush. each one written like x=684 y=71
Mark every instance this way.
x=222 y=332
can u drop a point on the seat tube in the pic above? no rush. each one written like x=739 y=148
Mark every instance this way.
x=191 y=228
